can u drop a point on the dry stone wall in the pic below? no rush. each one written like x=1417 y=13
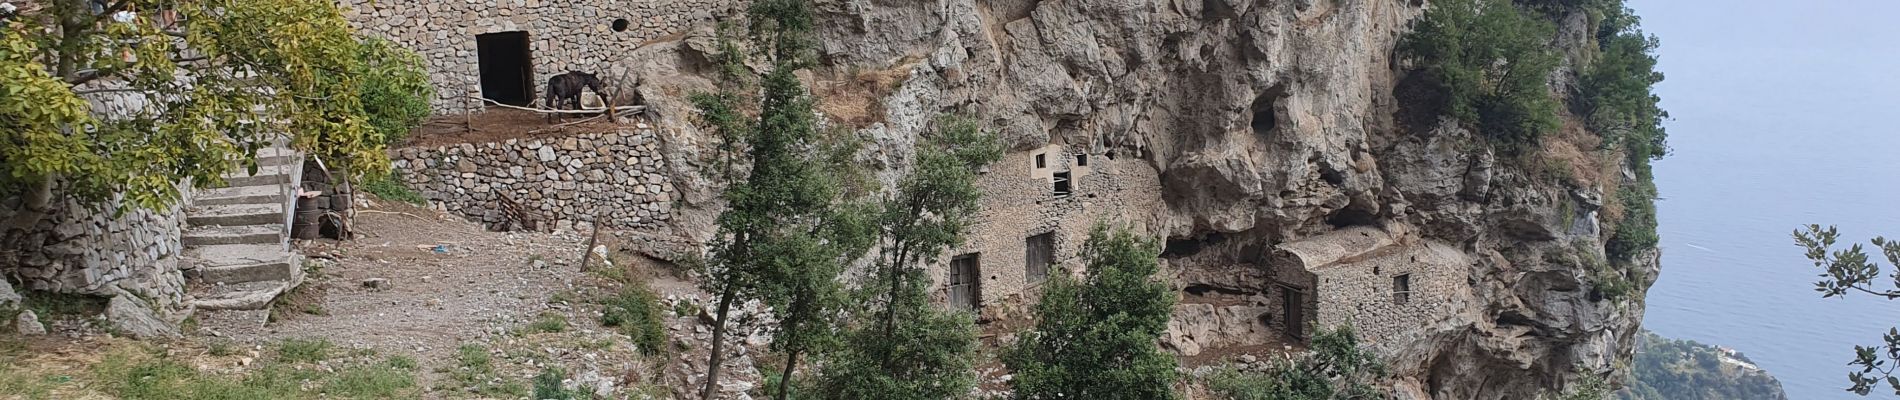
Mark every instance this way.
x=563 y=36
x=619 y=175
x=86 y=250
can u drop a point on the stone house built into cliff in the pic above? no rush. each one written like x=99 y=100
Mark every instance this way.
x=1038 y=206
x=1381 y=283
x=506 y=49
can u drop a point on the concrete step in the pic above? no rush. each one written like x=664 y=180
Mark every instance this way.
x=272 y=234
x=275 y=156
x=266 y=175
x=236 y=215
x=267 y=194
x=242 y=296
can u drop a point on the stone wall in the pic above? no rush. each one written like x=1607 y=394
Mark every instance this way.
x=620 y=175
x=1019 y=202
x=1362 y=293
x=90 y=251
x=564 y=36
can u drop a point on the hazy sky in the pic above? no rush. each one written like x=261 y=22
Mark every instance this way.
x=1783 y=114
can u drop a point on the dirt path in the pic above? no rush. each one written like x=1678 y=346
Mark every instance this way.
x=445 y=282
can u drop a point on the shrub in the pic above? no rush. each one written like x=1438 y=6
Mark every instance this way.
x=637 y=312
x=395 y=88
x=1637 y=231
x=548 y=322
x=389 y=187
x=1095 y=339
x=547 y=386
x=1490 y=62
x=1334 y=367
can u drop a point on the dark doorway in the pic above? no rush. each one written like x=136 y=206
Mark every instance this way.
x=507 y=67
x=1293 y=306
x=965 y=282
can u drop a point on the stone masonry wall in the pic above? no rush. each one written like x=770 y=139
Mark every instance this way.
x=1361 y=292
x=575 y=35
x=1019 y=202
x=90 y=251
x=567 y=179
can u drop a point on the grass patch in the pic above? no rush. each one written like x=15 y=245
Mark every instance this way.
x=474 y=370
x=636 y=311
x=547 y=386
x=377 y=381
x=388 y=187
x=548 y=322
x=303 y=350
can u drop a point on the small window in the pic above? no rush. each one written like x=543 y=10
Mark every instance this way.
x=1402 y=288
x=1081 y=160
x=1039 y=252
x=621 y=25
x=964 y=286
x=1042 y=161
x=1062 y=184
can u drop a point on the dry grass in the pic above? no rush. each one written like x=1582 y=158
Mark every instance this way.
x=855 y=98
x=1573 y=154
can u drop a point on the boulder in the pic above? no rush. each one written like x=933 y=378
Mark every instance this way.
x=29 y=324
x=136 y=319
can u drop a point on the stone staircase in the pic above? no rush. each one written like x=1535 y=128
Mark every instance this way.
x=237 y=248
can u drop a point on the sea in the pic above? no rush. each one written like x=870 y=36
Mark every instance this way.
x=1784 y=113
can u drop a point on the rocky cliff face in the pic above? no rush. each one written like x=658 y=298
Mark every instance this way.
x=1269 y=122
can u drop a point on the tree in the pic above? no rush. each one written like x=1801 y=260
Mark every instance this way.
x=1849 y=270
x=1492 y=62
x=1333 y=368
x=900 y=346
x=1096 y=339
x=210 y=81
x=790 y=227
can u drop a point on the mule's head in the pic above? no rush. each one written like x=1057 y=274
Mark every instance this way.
x=592 y=82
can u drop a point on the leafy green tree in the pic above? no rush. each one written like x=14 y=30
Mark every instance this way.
x=1333 y=368
x=396 y=89
x=217 y=79
x=1096 y=339
x=1850 y=270
x=790 y=227
x=1492 y=62
x=900 y=346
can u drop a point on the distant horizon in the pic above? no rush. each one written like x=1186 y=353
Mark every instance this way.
x=1778 y=121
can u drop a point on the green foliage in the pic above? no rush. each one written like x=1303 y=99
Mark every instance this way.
x=548 y=322
x=547 y=386
x=1095 y=339
x=389 y=187
x=900 y=346
x=303 y=350
x=636 y=311
x=1850 y=270
x=396 y=89
x=1668 y=369
x=1334 y=367
x=150 y=374
x=474 y=370
x=1616 y=91
x=259 y=70
x=1637 y=231
x=1490 y=61
x=791 y=225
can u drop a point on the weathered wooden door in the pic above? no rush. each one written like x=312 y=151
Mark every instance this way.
x=1039 y=252
x=1293 y=306
x=965 y=282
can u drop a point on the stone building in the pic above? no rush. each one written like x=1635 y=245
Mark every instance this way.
x=506 y=49
x=1378 y=280
x=1036 y=212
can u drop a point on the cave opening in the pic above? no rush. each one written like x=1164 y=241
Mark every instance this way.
x=1267 y=111
x=1188 y=246
x=1352 y=217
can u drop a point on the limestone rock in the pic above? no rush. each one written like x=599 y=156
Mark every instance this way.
x=135 y=318
x=29 y=324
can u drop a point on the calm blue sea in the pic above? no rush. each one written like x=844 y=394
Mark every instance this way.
x=1785 y=114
